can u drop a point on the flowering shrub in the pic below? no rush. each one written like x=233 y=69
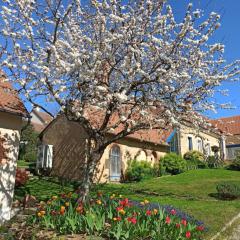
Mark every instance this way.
x=21 y=177
x=114 y=218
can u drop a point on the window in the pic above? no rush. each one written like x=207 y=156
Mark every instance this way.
x=190 y=144
x=200 y=145
x=174 y=144
x=115 y=163
x=230 y=153
x=208 y=149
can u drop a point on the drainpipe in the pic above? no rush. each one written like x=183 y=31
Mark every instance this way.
x=178 y=132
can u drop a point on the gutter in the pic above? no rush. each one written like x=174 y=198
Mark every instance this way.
x=15 y=113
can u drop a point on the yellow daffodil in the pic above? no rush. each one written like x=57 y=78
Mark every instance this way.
x=122 y=212
x=146 y=202
x=67 y=204
x=42 y=212
x=112 y=196
x=99 y=202
x=54 y=197
x=39 y=214
x=155 y=211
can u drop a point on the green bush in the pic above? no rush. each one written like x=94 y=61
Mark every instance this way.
x=211 y=162
x=159 y=170
x=228 y=190
x=30 y=157
x=173 y=163
x=236 y=164
x=195 y=159
x=138 y=170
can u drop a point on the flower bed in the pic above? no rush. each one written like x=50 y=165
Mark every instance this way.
x=115 y=217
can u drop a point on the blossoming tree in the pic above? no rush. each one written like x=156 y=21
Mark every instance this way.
x=129 y=59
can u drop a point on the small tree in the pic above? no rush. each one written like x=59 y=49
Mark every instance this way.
x=28 y=146
x=131 y=60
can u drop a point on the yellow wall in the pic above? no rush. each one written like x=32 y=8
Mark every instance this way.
x=68 y=140
x=130 y=149
x=10 y=126
x=207 y=137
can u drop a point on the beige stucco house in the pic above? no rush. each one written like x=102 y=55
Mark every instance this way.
x=12 y=115
x=187 y=138
x=65 y=142
x=69 y=141
x=39 y=120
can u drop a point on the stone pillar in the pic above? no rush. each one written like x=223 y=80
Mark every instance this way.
x=223 y=147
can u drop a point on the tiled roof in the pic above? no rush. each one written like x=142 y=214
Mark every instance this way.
x=45 y=119
x=9 y=99
x=156 y=136
x=229 y=125
x=233 y=140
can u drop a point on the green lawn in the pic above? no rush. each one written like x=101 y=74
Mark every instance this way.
x=191 y=192
x=24 y=164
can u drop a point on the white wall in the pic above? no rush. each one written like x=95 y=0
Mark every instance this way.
x=10 y=126
x=232 y=152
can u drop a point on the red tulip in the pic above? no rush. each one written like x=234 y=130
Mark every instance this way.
x=184 y=222
x=168 y=220
x=200 y=228
x=132 y=220
x=178 y=225
x=188 y=234
x=148 y=213
x=173 y=212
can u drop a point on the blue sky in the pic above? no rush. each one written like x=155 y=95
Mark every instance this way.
x=228 y=34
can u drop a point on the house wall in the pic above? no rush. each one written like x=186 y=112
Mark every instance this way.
x=68 y=140
x=207 y=138
x=233 y=151
x=130 y=149
x=36 y=119
x=10 y=126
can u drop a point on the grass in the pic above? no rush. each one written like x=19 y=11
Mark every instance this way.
x=43 y=188
x=24 y=164
x=192 y=192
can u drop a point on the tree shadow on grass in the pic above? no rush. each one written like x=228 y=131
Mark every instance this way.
x=222 y=198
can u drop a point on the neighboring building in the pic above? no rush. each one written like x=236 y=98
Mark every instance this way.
x=39 y=119
x=68 y=141
x=187 y=138
x=12 y=115
x=231 y=127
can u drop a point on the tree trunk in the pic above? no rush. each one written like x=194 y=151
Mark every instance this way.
x=93 y=156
